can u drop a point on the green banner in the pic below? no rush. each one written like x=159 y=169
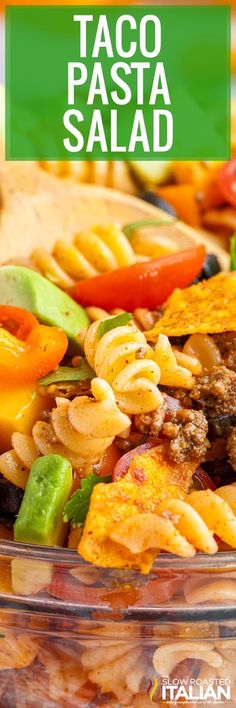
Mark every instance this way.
x=130 y=83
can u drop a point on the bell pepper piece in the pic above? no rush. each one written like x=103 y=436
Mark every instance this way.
x=183 y=198
x=20 y=407
x=142 y=284
x=17 y=321
x=41 y=352
x=227 y=176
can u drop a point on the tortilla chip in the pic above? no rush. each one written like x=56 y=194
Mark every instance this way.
x=208 y=308
x=151 y=479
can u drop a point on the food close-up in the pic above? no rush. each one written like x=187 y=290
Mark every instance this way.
x=118 y=453
x=117 y=414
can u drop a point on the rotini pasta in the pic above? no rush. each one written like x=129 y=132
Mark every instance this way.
x=82 y=429
x=30 y=579
x=180 y=526
x=176 y=369
x=141 y=317
x=79 y=430
x=206 y=590
x=227 y=671
x=16 y=463
x=18 y=652
x=64 y=673
x=217 y=514
x=109 y=174
x=96 y=655
x=120 y=673
x=166 y=657
x=94 y=251
x=124 y=359
x=97 y=250
x=145 y=531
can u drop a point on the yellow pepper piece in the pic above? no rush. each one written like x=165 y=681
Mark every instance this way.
x=20 y=407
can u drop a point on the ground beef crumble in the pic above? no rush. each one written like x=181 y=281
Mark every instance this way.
x=152 y=422
x=187 y=431
x=231 y=448
x=226 y=341
x=215 y=391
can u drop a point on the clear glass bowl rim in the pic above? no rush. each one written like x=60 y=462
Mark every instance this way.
x=214 y=565
x=221 y=560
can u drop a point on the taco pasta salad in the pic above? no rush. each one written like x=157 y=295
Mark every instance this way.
x=117 y=441
x=118 y=415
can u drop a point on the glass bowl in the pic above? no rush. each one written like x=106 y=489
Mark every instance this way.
x=75 y=635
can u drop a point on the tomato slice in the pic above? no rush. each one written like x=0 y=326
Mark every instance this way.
x=146 y=284
x=227 y=181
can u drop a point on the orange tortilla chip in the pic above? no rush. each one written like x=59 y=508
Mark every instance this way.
x=151 y=479
x=208 y=307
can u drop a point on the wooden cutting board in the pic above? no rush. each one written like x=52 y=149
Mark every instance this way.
x=37 y=208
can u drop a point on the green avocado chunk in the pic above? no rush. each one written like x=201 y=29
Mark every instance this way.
x=40 y=518
x=25 y=288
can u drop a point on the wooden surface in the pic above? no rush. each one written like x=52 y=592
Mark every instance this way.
x=36 y=209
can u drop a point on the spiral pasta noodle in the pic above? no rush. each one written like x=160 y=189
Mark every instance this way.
x=96 y=250
x=16 y=463
x=167 y=656
x=133 y=369
x=170 y=364
x=201 y=590
x=115 y=174
x=80 y=430
x=182 y=526
x=121 y=672
x=124 y=359
x=172 y=360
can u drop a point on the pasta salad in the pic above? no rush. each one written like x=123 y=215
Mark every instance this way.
x=118 y=415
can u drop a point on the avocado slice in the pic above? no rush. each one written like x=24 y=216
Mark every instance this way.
x=152 y=171
x=40 y=518
x=28 y=289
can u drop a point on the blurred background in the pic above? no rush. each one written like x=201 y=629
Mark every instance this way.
x=203 y=194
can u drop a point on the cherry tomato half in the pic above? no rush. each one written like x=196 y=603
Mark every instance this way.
x=227 y=181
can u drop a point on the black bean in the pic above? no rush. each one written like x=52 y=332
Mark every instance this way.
x=10 y=497
x=211 y=267
x=220 y=425
x=7 y=520
x=220 y=472
x=152 y=198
